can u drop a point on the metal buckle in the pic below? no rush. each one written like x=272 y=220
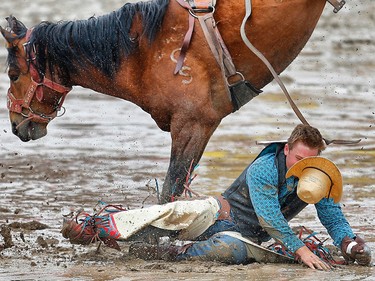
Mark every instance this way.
x=32 y=52
x=337 y=4
x=195 y=11
x=230 y=78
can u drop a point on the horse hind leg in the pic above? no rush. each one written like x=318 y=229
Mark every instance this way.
x=188 y=144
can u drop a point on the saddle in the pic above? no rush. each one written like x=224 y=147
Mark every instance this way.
x=240 y=91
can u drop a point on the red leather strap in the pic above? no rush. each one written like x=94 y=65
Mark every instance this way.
x=35 y=89
x=55 y=86
x=14 y=104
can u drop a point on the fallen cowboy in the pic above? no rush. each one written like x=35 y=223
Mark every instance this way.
x=272 y=190
x=182 y=221
x=152 y=230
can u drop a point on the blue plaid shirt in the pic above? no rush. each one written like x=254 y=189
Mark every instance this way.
x=262 y=179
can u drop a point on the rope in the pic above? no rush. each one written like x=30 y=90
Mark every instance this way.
x=267 y=63
x=312 y=242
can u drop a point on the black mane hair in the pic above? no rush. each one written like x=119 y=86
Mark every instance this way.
x=100 y=42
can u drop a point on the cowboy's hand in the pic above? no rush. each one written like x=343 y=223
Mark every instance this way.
x=311 y=260
x=356 y=250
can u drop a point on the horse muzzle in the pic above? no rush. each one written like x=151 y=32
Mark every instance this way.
x=26 y=129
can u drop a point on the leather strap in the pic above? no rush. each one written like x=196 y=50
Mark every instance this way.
x=211 y=33
x=238 y=90
x=277 y=78
x=216 y=44
x=208 y=25
x=224 y=212
x=35 y=89
x=185 y=44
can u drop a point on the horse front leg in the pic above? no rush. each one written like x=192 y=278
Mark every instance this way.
x=188 y=144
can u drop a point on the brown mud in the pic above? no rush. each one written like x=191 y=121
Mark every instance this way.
x=110 y=150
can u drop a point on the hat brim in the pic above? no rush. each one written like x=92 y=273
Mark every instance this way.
x=324 y=165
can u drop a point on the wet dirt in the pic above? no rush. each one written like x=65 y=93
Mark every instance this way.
x=110 y=150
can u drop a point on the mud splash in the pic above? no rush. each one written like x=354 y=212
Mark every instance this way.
x=107 y=149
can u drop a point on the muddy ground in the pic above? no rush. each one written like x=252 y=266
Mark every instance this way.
x=107 y=149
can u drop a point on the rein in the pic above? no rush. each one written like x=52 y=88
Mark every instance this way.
x=268 y=64
x=35 y=89
x=337 y=6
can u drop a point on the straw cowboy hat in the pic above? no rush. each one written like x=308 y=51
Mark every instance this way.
x=318 y=178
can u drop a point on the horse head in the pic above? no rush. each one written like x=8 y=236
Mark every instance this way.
x=33 y=99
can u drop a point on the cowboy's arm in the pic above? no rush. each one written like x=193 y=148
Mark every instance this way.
x=353 y=247
x=264 y=197
x=262 y=180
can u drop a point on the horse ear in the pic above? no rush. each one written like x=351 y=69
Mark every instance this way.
x=15 y=25
x=9 y=37
x=15 y=30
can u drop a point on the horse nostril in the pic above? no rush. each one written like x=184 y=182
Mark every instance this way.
x=14 y=128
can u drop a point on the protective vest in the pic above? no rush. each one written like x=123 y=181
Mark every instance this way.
x=239 y=199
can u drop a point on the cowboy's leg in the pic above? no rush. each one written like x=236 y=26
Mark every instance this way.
x=219 y=247
x=210 y=246
x=218 y=226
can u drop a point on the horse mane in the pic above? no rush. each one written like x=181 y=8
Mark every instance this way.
x=101 y=42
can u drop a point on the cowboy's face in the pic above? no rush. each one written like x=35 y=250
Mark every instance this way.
x=298 y=152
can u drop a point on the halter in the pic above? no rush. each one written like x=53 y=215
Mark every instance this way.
x=35 y=89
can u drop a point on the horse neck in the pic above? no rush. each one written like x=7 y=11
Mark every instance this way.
x=94 y=79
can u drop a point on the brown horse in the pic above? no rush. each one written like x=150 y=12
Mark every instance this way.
x=130 y=54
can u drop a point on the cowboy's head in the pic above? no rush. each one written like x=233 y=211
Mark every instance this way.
x=304 y=141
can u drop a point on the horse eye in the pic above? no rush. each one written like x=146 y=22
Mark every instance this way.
x=13 y=77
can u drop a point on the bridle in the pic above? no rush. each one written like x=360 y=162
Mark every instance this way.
x=35 y=89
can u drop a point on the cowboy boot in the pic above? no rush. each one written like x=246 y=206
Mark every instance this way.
x=91 y=231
